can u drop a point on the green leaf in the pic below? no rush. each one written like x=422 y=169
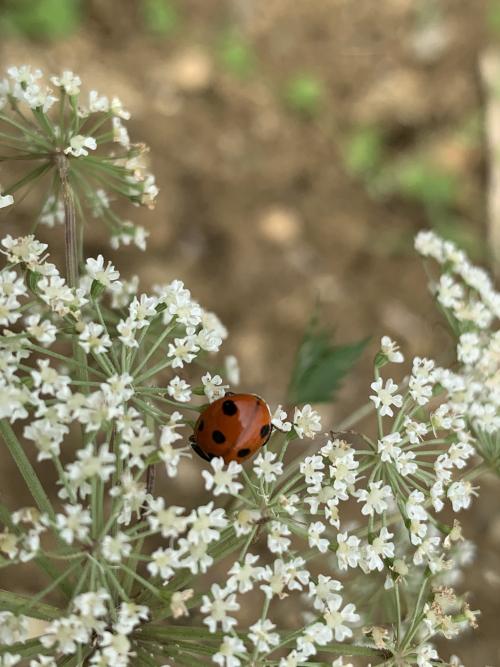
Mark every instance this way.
x=27 y=649
x=320 y=366
x=15 y=603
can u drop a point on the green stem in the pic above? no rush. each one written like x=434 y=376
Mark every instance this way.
x=26 y=469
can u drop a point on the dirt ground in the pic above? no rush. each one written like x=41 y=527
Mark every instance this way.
x=259 y=212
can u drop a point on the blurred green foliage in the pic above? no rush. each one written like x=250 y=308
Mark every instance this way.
x=320 y=366
x=364 y=152
x=41 y=19
x=493 y=16
x=429 y=184
x=304 y=94
x=160 y=16
x=236 y=55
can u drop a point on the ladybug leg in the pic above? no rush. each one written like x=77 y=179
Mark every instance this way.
x=201 y=453
x=229 y=393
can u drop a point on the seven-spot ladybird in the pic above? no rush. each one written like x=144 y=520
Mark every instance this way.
x=234 y=427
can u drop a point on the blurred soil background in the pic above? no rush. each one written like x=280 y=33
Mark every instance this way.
x=299 y=146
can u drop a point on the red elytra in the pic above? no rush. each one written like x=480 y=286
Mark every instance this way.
x=234 y=427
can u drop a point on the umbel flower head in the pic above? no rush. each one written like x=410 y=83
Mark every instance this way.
x=102 y=384
x=56 y=132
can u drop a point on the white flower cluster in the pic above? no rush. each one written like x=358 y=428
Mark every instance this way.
x=65 y=123
x=97 y=379
x=467 y=296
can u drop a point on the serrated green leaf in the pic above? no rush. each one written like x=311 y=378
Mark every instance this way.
x=321 y=366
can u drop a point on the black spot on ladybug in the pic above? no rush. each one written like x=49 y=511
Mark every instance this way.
x=201 y=425
x=218 y=437
x=229 y=408
x=264 y=431
x=243 y=452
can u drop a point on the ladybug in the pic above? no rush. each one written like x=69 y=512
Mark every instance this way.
x=233 y=427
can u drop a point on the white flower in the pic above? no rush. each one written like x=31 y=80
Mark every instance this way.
x=92 y=603
x=387 y=447
x=129 y=616
x=213 y=387
x=74 y=524
x=226 y=656
x=43 y=661
x=323 y=590
x=293 y=659
x=205 y=520
x=179 y=390
x=79 y=144
x=262 y=636
x=222 y=480
x=314 y=533
x=385 y=396
x=98 y=103
x=245 y=521
x=183 y=351
x=68 y=81
x=217 y=607
x=415 y=430
x=163 y=562
x=167 y=520
x=312 y=468
x=93 y=338
x=66 y=633
x=134 y=448
x=315 y=635
x=278 y=540
x=460 y=494
x=41 y=330
x=376 y=499
x=116 y=547
x=426 y=654
x=307 y=422
x=6 y=200
x=429 y=244
x=127 y=329
x=450 y=293
x=336 y=617
x=468 y=349
x=106 y=275
x=380 y=548
x=390 y=349
x=243 y=576
x=348 y=550
x=265 y=466
x=142 y=310
x=279 y=420
x=13 y=629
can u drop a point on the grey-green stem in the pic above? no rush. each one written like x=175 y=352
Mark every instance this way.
x=69 y=221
